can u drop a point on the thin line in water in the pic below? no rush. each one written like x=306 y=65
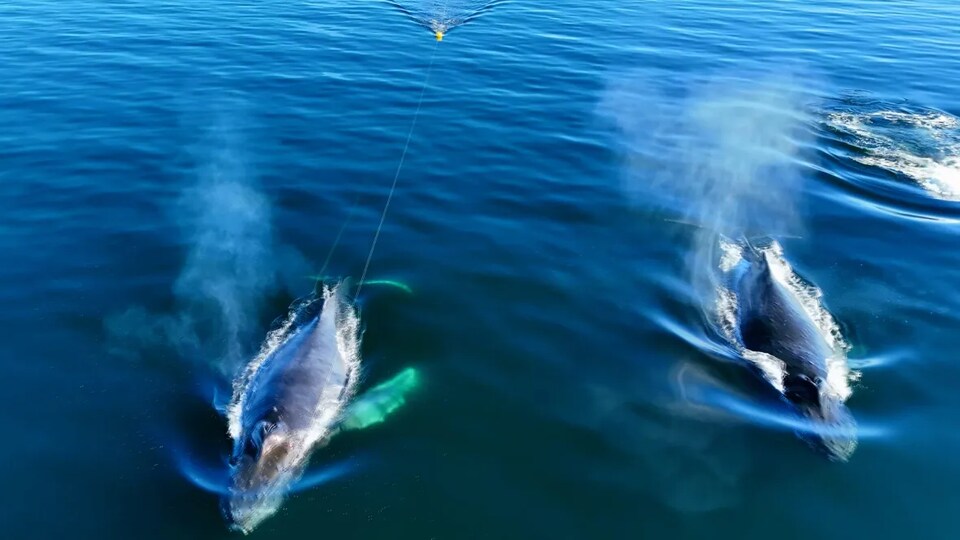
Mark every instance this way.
x=336 y=241
x=396 y=176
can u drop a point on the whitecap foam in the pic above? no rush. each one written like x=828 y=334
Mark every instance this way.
x=731 y=255
x=929 y=120
x=941 y=179
x=924 y=146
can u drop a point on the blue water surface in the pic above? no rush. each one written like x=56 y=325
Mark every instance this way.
x=172 y=173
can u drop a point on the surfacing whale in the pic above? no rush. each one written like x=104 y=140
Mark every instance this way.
x=778 y=325
x=287 y=402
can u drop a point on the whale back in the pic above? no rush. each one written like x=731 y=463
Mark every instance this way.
x=772 y=321
x=287 y=401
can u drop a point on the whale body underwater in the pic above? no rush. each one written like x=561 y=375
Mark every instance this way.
x=287 y=402
x=783 y=331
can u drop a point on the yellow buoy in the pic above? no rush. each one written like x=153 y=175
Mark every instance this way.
x=439 y=36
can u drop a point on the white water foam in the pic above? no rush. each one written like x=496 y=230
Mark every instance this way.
x=839 y=375
x=922 y=146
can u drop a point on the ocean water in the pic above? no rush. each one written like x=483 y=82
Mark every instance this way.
x=172 y=175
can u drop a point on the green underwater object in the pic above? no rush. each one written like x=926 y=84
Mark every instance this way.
x=376 y=404
x=385 y=282
x=390 y=283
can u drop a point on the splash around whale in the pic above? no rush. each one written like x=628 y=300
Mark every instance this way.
x=777 y=323
x=288 y=401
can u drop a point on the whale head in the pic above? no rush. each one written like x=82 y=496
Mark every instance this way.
x=831 y=429
x=266 y=461
x=803 y=393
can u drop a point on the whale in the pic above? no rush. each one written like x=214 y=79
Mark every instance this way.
x=771 y=324
x=287 y=402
